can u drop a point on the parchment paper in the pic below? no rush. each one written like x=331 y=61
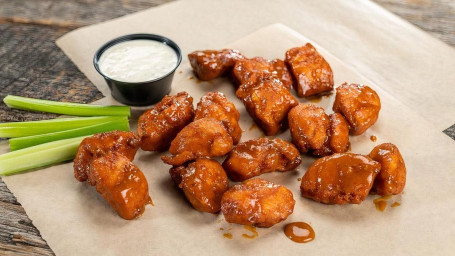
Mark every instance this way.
x=75 y=220
x=408 y=63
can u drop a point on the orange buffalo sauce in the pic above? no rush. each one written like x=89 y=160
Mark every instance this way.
x=299 y=232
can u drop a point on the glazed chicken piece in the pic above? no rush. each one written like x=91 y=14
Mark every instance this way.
x=210 y=64
x=121 y=183
x=312 y=72
x=217 y=106
x=258 y=156
x=268 y=103
x=392 y=177
x=98 y=145
x=359 y=104
x=337 y=136
x=340 y=178
x=203 y=182
x=205 y=137
x=308 y=125
x=158 y=126
x=257 y=202
x=248 y=70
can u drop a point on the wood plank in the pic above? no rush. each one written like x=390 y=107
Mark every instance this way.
x=19 y=236
x=436 y=17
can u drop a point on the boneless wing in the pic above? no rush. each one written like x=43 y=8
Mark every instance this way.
x=312 y=72
x=210 y=64
x=257 y=202
x=249 y=70
x=337 y=136
x=268 y=103
x=359 y=104
x=308 y=125
x=204 y=137
x=392 y=177
x=121 y=183
x=340 y=178
x=254 y=157
x=203 y=182
x=216 y=105
x=98 y=145
x=158 y=126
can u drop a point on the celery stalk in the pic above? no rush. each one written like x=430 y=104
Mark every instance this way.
x=65 y=108
x=29 y=141
x=21 y=129
x=39 y=156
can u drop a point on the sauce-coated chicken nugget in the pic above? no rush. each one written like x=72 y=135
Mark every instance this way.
x=98 y=145
x=257 y=202
x=205 y=137
x=340 y=178
x=337 y=137
x=203 y=182
x=312 y=72
x=392 y=177
x=210 y=64
x=158 y=126
x=308 y=125
x=121 y=183
x=249 y=70
x=258 y=156
x=216 y=105
x=268 y=103
x=359 y=104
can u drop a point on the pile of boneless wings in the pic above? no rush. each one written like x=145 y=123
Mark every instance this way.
x=194 y=137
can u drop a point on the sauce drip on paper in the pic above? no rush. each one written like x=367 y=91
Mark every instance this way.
x=299 y=232
x=252 y=230
x=373 y=138
x=381 y=203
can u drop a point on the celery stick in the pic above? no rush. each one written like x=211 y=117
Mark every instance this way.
x=39 y=156
x=21 y=129
x=65 y=108
x=29 y=141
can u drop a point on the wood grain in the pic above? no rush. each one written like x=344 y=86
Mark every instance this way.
x=436 y=17
x=32 y=65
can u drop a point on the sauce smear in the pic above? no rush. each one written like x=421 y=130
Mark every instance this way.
x=396 y=204
x=227 y=235
x=251 y=229
x=381 y=203
x=253 y=126
x=299 y=232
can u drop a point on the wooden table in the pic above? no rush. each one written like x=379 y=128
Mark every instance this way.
x=32 y=65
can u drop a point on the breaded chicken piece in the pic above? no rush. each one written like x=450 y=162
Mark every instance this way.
x=248 y=70
x=216 y=105
x=258 y=156
x=312 y=72
x=308 y=125
x=121 y=183
x=359 y=104
x=392 y=177
x=158 y=126
x=268 y=103
x=204 y=137
x=203 y=182
x=257 y=202
x=210 y=64
x=340 y=178
x=98 y=145
x=337 y=136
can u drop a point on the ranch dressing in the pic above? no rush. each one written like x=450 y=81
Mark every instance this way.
x=137 y=60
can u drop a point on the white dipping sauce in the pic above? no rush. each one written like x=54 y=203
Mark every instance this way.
x=137 y=60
